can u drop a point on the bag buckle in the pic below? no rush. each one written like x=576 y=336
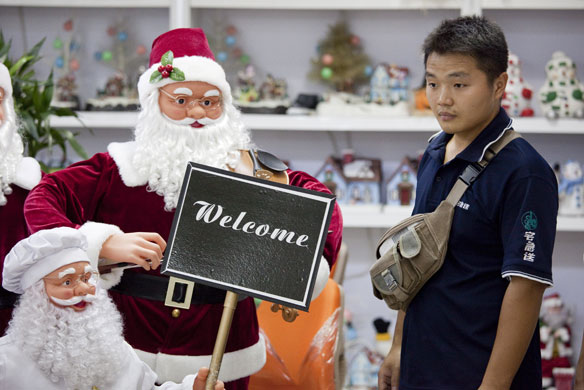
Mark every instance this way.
x=179 y=293
x=389 y=279
x=470 y=173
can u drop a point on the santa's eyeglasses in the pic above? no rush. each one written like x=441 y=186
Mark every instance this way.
x=72 y=281
x=207 y=103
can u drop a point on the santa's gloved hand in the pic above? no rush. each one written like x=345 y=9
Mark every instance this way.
x=199 y=383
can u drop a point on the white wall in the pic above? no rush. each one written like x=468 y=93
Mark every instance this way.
x=282 y=42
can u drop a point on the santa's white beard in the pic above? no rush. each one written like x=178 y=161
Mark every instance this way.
x=11 y=149
x=164 y=148
x=556 y=319
x=83 y=349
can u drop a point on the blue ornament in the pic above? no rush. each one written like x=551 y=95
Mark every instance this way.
x=73 y=46
x=97 y=56
x=368 y=70
x=222 y=56
x=59 y=62
x=230 y=40
x=122 y=36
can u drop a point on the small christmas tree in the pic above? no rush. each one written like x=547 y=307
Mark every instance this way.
x=128 y=60
x=67 y=63
x=223 y=42
x=341 y=62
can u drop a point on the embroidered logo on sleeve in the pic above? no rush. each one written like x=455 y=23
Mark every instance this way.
x=529 y=221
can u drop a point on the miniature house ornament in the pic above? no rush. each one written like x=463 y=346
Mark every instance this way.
x=517 y=97
x=562 y=94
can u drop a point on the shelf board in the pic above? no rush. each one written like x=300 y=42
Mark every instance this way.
x=327 y=4
x=426 y=124
x=384 y=4
x=90 y=3
x=533 y=4
x=379 y=216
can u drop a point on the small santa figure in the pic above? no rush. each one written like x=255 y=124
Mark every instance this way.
x=555 y=336
x=562 y=94
x=517 y=97
x=571 y=189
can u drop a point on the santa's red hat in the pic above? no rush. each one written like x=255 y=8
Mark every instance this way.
x=191 y=60
x=552 y=300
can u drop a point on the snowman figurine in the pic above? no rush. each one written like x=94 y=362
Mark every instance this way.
x=571 y=189
x=562 y=94
x=517 y=98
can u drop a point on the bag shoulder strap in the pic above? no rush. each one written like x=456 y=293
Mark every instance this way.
x=472 y=171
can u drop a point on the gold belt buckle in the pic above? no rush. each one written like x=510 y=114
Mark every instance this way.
x=170 y=292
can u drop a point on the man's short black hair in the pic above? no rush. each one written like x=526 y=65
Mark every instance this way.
x=474 y=36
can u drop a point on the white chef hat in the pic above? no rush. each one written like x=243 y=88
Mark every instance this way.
x=41 y=253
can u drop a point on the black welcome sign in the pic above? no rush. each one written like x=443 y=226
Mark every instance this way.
x=247 y=235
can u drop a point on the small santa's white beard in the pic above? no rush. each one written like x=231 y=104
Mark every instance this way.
x=164 y=148
x=11 y=149
x=83 y=349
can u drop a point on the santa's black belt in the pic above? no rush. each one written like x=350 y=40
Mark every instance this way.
x=7 y=299
x=155 y=288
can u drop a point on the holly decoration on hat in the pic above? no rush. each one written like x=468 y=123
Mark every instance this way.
x=166 y=69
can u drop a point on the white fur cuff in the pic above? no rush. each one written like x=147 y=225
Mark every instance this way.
x=97 y=233
x=28 y=173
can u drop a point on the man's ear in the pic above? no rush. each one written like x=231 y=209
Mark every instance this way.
x=499 y=85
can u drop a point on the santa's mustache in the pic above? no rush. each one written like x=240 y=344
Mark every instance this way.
x=75 y=300
x=189 y=121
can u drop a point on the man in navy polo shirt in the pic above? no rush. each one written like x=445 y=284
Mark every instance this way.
x=474 y=324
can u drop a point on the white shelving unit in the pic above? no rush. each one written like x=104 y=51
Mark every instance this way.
x=380 y=216
x=376 y=216
x=97 y=120
x=305 y=4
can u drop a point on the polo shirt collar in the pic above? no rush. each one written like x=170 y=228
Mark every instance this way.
x=475 y=151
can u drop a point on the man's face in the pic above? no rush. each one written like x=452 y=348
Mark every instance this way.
x=1 y=105
x=195 y=103
x=460 y=95
x=72 y=285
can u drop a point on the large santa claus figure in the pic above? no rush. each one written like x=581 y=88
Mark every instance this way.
x=124 y=201
x=18 y=175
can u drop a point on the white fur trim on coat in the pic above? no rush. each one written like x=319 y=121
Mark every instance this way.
x=235 y=365
x=322 y=278
x=195 y=68
x=123 y=153
x=28 y=173
x=97 y=233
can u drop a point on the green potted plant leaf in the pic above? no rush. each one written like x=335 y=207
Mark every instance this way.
x=32 y=103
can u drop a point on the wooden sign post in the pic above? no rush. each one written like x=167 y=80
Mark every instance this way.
x=247 y=236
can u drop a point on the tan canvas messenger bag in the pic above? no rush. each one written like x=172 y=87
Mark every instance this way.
x=412 y=251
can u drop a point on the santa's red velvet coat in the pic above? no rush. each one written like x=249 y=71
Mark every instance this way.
x=12 y=230
x=12 y=223
x=95 y=190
